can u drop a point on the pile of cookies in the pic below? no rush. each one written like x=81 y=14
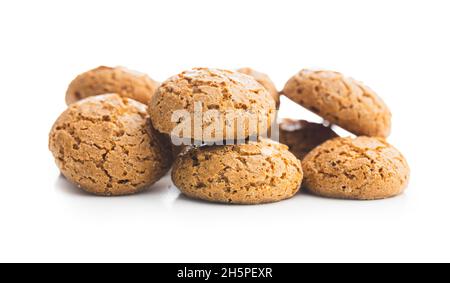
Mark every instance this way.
x=117 y=136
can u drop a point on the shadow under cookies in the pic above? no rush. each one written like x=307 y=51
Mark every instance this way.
x=66 y=187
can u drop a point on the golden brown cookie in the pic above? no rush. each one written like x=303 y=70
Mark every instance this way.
x=362 y=168
x=302 y=136
x=118 y=80
x=342 y=101
x=212 y=91
x=253 y=173
x=265 y=81
x=106 y=145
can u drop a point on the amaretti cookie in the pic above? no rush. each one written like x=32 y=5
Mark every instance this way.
x=227 y=105
x=106 y=145
x=264 y=80
x=302 y=136
x=103 y=80
x=342 y=101
x=252 y=173
x=362 y=168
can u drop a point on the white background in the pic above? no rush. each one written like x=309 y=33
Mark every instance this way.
x=399 y=48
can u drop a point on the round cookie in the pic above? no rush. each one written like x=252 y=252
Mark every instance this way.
x=302 y=136
x=342 y=101
x=228 y=94
x=103 y=80
x=252 y=173
x=265 y=81
x=362 y=168
x=106 y=145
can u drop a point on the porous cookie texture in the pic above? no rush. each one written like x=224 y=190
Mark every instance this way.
x=302 y=136
x=252 y=173
x=106 y=145
x=103 y=80
x=342 y=101
x=222 y=96
x=362 y=168
x=265 y=81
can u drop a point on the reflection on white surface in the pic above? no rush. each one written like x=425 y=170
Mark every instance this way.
x=167 y=225
x=165 y=197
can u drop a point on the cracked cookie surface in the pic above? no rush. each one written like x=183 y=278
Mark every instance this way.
x=342 y=101
x=302 y=136
x=265 y=81
x=252 y=173
x=362 y=168
x=103 y=80
x=106 y=145
x=221 y=91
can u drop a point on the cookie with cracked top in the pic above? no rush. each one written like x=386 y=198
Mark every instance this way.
x=103 y=80
x=222 y=97
x=106 y=145
x=252 y=173
x=362 y=168
x=342 y=101
x=265 y=81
